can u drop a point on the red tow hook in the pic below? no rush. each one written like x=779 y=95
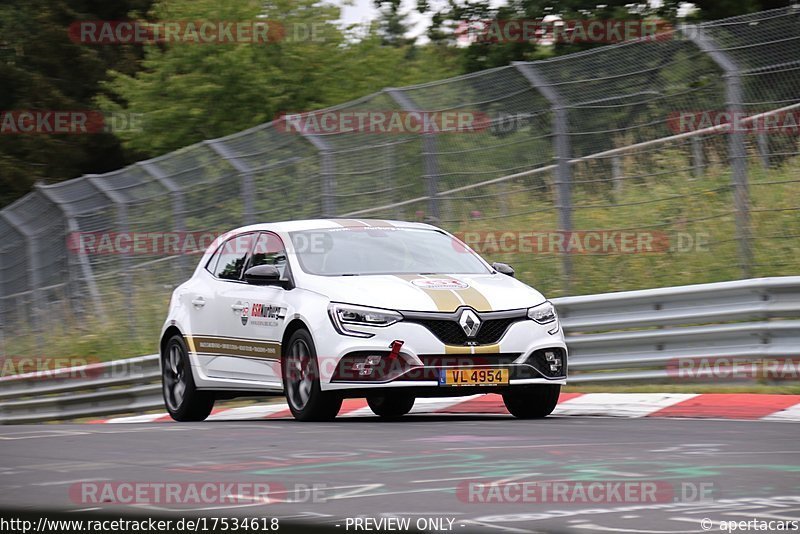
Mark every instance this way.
x=395 y=346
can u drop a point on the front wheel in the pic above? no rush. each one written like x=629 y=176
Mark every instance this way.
x=183 y=400
x=390 y=406
x=532 y=402
x=306 y=399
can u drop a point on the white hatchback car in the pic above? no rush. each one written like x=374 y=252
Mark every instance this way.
x=321 y=310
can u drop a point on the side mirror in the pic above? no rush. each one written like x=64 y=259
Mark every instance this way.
x=503 y=268
x=263 y=275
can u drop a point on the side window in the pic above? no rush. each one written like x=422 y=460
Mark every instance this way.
x=211 y=266
x=269 y=251
x=231 y=258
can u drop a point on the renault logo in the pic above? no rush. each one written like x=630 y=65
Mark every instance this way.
x=469 y=323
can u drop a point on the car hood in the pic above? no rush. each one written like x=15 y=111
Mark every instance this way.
x=445 y=293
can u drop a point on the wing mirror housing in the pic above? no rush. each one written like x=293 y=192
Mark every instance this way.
x=263 y=275
x=503 y=268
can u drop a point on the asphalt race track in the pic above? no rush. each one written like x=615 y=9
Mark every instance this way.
x=422 y=467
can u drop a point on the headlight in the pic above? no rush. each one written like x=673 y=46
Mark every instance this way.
x=543 y=313
x=347 y=318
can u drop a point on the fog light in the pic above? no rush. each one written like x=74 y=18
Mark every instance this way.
x=362 y=368
x=555 y=361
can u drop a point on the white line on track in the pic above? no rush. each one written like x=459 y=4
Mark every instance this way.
x=63 y=482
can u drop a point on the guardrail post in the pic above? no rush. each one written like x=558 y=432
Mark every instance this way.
x=247 y=190
x=563 y=154
x=327 y=173
x=429 y=155
x=736 y=142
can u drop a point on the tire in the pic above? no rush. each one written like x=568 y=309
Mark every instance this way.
x=183 y=400
x=391 y=406
x=300 y=371
x=533 y=402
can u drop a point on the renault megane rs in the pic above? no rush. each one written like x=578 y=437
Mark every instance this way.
x=323 y=310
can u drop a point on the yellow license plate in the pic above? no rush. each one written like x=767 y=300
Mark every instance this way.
x=474 y=377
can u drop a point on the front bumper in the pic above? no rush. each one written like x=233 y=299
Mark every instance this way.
x=532 y=354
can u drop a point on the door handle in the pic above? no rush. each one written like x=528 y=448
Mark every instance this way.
x=237 y=307
x=199 y=302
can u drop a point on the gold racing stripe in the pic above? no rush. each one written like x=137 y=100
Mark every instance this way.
x=267 y=350
x=457 y=349
x=475 y=299
x=350 y=222
x=468 y=297
x=364 y=223
x=190 y=342
x=377 y=223
x=444 y=299
x=481 y=349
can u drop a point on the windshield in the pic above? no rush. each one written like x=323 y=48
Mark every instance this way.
x=356 y=251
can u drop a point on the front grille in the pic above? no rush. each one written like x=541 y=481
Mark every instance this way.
x=450 y=332
x=468 y=360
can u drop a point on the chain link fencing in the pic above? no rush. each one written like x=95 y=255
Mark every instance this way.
x=684 y=142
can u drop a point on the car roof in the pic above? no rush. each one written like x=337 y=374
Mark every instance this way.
x=319 y=224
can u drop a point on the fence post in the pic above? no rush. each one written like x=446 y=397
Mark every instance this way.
x=429 y=151
x=327 y=173
x=563 y=154
x=247 y=189
x=617 y=177
x=123 y=227
x=82 y=260
x=763 y=148
x=4 y=307
x=2 y=303
x=697 y=156
x=33 y=271
x=736 y=143
x=177 y=198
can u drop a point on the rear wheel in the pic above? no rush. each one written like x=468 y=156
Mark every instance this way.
x=183 y=400
x=306 y=399
x=390 y=406
x=532 y=402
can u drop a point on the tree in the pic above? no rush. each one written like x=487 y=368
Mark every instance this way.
x=43 y=69
x=392 y=24
x=190 y=92
x=450 y=22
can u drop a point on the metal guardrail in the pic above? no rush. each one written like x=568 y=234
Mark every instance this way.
x=625 y=336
